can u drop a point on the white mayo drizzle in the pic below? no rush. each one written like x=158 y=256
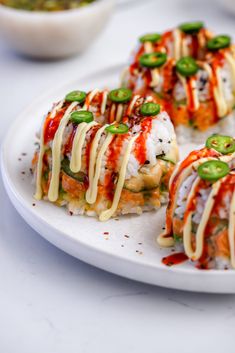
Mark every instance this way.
x=193 y=87
x=105 y=215
x=177 y=44
x=38 y=193
x=187 y=232
x=155 y=77
x=231 y=230
x=185 y=48
x=93 y=155
x=78 y=142
x=119 y=112
x=94 y=184
x=217 y=91
x=104 y=102
x=56 y=154
x=231 y=61
x=148 y=47
x=132 y=104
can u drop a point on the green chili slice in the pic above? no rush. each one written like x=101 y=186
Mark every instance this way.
x=120 y=95
x=191 y=27
x=81 y=116
x=117 y=129
x=150 y=37
x=222 y=144
x=80 y=176
x=76 y=96
x=213 y=170
x=187 y=66
x=219 y=42
x=153 y=60
x=149 y=109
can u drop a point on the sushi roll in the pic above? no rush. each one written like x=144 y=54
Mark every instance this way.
x=105 y=153
x=191 y=73
x=200 y=216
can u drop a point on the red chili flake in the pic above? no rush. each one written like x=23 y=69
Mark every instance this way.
x=106 y=233
x=126 y=236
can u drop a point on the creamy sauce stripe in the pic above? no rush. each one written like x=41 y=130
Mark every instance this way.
x=93 y=155
x=56 y=154
x=105 y=215
x=231 y=230
x=78 y=142
x=187 y=233
x=38 y=193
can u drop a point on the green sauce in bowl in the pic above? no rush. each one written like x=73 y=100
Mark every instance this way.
x=45 y=5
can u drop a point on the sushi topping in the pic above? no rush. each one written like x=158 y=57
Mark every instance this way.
x=81 y=116
x=117 y=129
x=213 y=170
x=187 y=66
x=150 y=37
x=153 y=60
x=222 y=144
x=219 y=42
x=76 y=96
x=191 y=27
x=66 y=169
x=120 y=95
x=150 y=109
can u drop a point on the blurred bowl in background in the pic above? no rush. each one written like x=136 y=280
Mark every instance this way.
x=54 y=35
x=229 y=5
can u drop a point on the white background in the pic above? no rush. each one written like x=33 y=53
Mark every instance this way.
x=53 y=303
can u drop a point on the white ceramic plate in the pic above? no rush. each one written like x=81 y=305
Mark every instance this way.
x=126 y=246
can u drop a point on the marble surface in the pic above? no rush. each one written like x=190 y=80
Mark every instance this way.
x=53 y=303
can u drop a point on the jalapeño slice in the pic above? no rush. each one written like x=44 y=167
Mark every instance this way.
x=81 y=116
x=117 y=129
x=149 y=109
x=191 y=27
x=187 y=66
x=220 y=143
x=219 y=42
x=120 y=95
x=76 y=96
x=213 y=170
x=150 y=37
x=153 y=60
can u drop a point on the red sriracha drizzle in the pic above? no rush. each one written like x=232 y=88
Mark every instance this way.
x=174 y=259
x=51 y=125
x=140 y=143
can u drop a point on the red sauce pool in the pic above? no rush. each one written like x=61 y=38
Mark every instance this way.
x=174 y=259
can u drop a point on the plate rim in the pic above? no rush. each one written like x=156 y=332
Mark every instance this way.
x=20 y=204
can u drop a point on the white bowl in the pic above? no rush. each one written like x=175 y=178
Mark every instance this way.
x=54 y=34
